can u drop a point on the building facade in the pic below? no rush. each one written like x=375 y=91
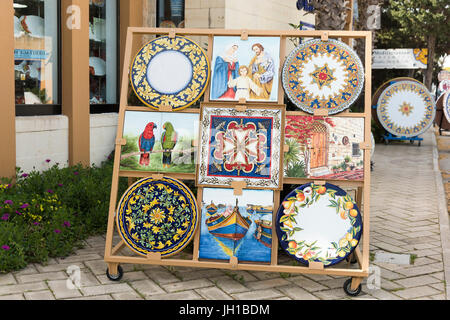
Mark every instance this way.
x=61 y=82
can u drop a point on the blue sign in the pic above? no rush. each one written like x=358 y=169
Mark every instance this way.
x=29 y=54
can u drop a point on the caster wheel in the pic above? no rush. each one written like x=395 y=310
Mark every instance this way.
x=349 y=291
x=117 y=276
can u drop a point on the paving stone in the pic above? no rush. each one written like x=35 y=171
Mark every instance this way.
x=17 y=296
x=105 y=289
x=228 y=284
x=187 y=285
x=213 y=293
x=20 y=288
x=416 y=292
x=146 y=287
x=100 y=297
x=182 y=295
x=297 y=293
x=41 y=277
x=80 y=258
x=126 y=296
x=55 y=266
x=39 y=295
x=266 y=284
x=61 y=290
x=417 y=281
x=161 y=276
x=307 y=284
x=6 y=279
x=258 y=295
x=97 y=266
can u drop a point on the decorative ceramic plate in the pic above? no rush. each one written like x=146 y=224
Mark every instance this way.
x=318 y=223
x=170 y=72
x=406 y=108
x=323 y=75
x=446 y=105
x=98 y=66
x=157 y=215
x=444 y=85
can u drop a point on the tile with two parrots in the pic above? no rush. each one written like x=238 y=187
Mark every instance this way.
x=159 y=141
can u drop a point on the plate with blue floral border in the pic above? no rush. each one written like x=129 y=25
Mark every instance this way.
x=319 y=223
x=323 y=75
x=170 y=72
x=406 y=108
x=157 y=216
x=446 y=105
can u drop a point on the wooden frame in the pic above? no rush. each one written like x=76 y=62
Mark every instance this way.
x=113 y=259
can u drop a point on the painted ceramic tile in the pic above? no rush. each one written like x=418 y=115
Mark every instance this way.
x=323 y=75
x=159 y=141
x=157 y=215
x=245 y=69
x=324 y=147
x=318 y=223
x=240 y=145
x=239 y=226
x=406 y=109
x=170 y=72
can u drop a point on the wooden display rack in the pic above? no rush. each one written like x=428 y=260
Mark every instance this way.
x=352 y=285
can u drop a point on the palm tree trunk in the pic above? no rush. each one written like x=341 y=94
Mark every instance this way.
x=431 y=41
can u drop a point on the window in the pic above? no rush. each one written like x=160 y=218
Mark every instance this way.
x=36 y=54
x=170 y=14
x=103 y=55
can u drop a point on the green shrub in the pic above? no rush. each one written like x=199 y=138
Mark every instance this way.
x=48 y=214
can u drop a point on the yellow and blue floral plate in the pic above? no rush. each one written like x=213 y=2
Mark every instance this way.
x=406 y=108
x=170 y=72
x=157 y=216
x=323 y=75
x=318 y=223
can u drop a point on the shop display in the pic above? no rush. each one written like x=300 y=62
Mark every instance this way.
x=159 y=141
x=240 y=146
x=319 y=223
x=323 y=75
x=157 y=216
x=245 y=69
x=246 y=144
x=239 y=226
x=170 y=72
x=324 y=147
x=406 y=108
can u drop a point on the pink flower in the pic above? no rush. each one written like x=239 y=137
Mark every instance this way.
x=57 y=231
x=66 y=224
x=9 y=202
x=6 y=248
x=25 y=205
x=5 y=217
x=48 y=160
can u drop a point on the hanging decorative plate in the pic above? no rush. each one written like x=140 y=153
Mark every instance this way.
x=323 y=75
x=406 y=108
x=170 y=72
x=318 y=223
x=157 y=215
x=446 y=105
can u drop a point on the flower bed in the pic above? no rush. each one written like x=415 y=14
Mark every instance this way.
x=48 y=214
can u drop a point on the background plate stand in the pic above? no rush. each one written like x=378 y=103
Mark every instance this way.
x=389 y=136
x=112 y=256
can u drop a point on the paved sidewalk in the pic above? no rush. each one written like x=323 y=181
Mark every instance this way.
x=408 y=217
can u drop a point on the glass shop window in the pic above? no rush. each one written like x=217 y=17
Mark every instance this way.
x=36 y=56
x=170 y=14
x=103 y=51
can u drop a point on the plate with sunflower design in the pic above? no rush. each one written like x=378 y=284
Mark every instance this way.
x=157 y=216
x=323 y=75
x=446 y=105
x=319 y=223
x=406 y=108
x=170 y=72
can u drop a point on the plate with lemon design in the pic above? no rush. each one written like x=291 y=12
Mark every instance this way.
x=319 y=223
x=157 y=216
